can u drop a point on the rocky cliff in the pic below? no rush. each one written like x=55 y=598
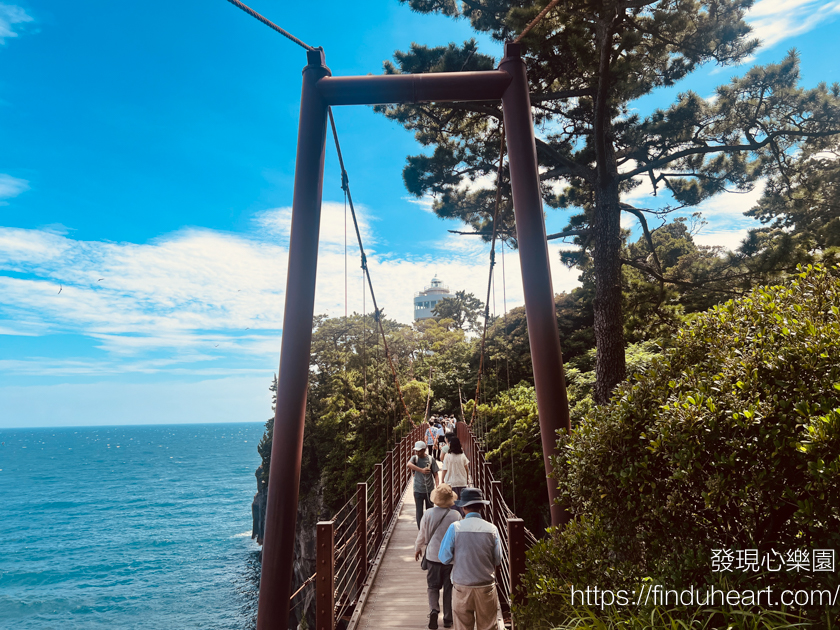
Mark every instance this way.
x=310 y=511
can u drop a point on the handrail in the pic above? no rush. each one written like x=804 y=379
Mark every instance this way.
x=348 y=550
x=350 y=542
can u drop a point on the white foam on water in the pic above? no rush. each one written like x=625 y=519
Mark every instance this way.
x=242 y=535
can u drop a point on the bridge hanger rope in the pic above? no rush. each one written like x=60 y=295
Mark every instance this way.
x=533 y=22
x=507 y=370
x=492 y=264
x=377 y=314
x=270 y=24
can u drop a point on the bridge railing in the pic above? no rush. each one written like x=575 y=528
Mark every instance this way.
x=350 y=542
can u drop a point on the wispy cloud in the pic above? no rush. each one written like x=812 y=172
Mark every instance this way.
x=196 y=295
x=726 y=224
x=11 y=186
x=11 y=17
x=777 y=20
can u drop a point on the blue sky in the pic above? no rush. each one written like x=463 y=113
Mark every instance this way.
x=146 y=168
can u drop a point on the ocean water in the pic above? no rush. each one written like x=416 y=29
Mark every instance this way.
x=128 y=527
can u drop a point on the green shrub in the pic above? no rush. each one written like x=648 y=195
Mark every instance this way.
x=730 y=440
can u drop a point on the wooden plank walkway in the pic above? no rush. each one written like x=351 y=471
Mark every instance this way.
x=396 y=598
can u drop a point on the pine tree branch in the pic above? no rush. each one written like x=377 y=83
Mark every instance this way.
x=562 y=94
x=552 y=237
x=570 y=165
x=732 y=148
x=640 y=215
x=684 y=283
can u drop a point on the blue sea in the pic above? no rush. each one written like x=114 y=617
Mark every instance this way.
x=128 y=527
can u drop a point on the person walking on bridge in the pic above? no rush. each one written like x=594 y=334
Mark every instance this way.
x=456 y=466
x=431 y=437
x=425 y=468
x=432 y=528
x=473 y=548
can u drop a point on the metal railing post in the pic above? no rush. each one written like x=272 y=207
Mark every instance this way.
x=394 y=481
x=403 y=458
x=377 y=505
x=325 y=580
x=516 y=557
x=389 y=480
x=361 y=532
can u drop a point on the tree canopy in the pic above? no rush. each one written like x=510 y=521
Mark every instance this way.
x=464 y=310
x=588 y=61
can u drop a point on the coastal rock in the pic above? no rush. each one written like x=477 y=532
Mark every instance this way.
x=310 y=511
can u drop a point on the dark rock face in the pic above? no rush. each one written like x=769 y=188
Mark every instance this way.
x=310 y=511
x=258 y=507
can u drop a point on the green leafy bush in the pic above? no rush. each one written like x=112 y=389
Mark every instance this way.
x=729 y=440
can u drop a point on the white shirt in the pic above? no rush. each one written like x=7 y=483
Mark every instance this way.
x=456 y=469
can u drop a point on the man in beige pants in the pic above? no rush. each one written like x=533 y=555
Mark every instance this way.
x=474 y=549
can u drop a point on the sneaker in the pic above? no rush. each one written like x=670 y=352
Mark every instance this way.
x=433 y=617
x=447 y=624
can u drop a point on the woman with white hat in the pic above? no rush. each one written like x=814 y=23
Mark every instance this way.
x=425 y=468
x=433 y=526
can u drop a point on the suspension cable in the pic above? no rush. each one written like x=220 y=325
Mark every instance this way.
x=377 y=314
x=270 y=24
x=507 y=370
x=492 y=264
x=536 y=20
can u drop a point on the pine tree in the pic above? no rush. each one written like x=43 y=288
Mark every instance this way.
x=588 y=61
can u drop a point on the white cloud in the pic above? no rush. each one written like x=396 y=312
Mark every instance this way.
x=10 y=186
x=425 y=203
x=10 y=16
x=776 y=20
x=724 y=213
x=728 y=239
x=198 y=295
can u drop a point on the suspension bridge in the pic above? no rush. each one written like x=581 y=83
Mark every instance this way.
x=366 y=576
x=365 y=569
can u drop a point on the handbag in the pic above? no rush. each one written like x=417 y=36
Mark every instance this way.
x=424 y=563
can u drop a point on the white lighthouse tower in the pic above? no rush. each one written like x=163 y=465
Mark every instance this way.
x=425 y=300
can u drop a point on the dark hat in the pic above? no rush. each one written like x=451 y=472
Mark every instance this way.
x=471 y=496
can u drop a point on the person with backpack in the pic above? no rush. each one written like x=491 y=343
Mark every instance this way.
x=425 y=468
x=432 y=528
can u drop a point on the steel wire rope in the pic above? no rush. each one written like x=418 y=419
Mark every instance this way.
x=344 y=579
x=270 y=24
x=492 y=263
x=536 y=20
x=376 y=312
x=306 y=583
x=346 y=382
x=348 y=571
x=507 y=371
x=346 y=562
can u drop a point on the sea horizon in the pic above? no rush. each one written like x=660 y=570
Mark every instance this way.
x=129 y=526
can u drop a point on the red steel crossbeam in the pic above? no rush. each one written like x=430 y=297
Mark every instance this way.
x=321 y=90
